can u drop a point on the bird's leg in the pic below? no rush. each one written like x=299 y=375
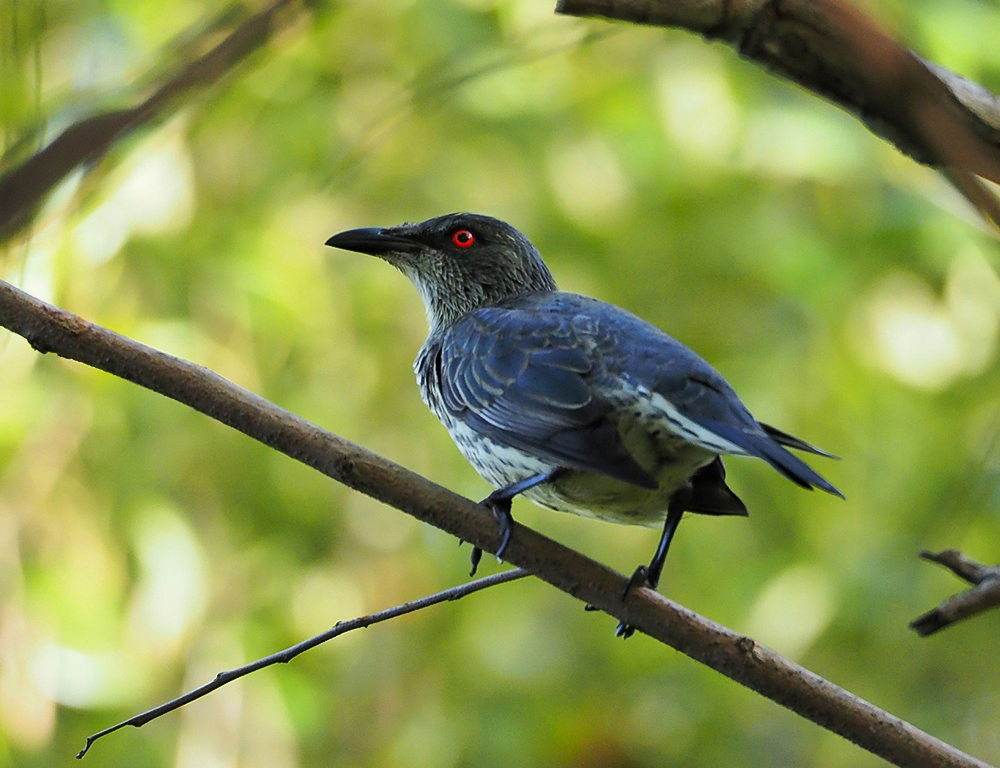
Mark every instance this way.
x=499 y=503
x=649 y=576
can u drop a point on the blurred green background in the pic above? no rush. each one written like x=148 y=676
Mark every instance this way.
x=848 y=294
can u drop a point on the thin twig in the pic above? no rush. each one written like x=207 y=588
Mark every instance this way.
x=285 y=656
x=985 y=593
x=23 y=188
x=50 y=329
x=837 y=52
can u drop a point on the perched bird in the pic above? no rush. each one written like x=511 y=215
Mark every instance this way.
x=576 y=404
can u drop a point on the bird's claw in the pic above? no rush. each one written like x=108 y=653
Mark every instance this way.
x=639 y=578
x=624 y=631
x=505 y=521
x=474 y=558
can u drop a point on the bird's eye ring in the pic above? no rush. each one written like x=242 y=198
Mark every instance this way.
x=463 y=238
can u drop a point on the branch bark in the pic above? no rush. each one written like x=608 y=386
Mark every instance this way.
x=25 y=187
x=50 y=329
x=829 y=47
x=985 y=593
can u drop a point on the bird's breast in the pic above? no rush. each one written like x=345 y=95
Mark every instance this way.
x=498 y=464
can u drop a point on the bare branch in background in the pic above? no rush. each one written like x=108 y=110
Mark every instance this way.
x=985 y=593
x=285 y=656
x=50 y=329
x=827 y=46
x=833 y=49
x=24 y=188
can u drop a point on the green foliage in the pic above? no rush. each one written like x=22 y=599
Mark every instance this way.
x=846 y=293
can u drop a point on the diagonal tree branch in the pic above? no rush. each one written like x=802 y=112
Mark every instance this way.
x=831 y=48
x=24 y=188
x=985 y=593
x=50 y=329
x=285 y=656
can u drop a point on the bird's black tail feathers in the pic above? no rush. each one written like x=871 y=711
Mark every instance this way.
x=793 y=442
x=767 y=446
x=711 y=496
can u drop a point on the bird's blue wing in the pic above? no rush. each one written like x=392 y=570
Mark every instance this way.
x=523 y=379
x=701 y=406
x=536 y=373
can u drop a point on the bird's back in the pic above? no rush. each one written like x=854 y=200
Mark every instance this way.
x=553 y=379
x=624 y=347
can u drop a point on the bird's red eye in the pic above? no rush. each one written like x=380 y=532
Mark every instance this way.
x=463 y=238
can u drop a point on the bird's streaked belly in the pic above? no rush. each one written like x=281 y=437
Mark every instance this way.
x=584 y=493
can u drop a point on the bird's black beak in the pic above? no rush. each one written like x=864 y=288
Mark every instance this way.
x=373 y=241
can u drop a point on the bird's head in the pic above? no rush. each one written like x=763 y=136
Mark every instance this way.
x=459 y=262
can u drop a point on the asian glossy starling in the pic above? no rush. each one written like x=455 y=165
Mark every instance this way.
x=575 y=403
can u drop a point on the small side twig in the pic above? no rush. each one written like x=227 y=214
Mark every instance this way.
x=285 y=656
x=985 y=593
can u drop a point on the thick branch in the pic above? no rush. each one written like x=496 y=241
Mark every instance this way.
x=827 y=46
x=285 y=656
x=985 y=593
x=22 y=189
x=49 y=329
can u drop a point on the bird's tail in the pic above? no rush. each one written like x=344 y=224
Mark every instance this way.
x=789 y=465
x=793 y=442
x=767 y=445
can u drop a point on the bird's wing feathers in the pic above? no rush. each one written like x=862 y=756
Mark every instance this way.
x=524 y=384
x=538 y=374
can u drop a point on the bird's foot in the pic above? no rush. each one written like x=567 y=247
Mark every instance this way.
x=624 y=631
x=500 y=507
x=639 y=578
x=505 y=521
